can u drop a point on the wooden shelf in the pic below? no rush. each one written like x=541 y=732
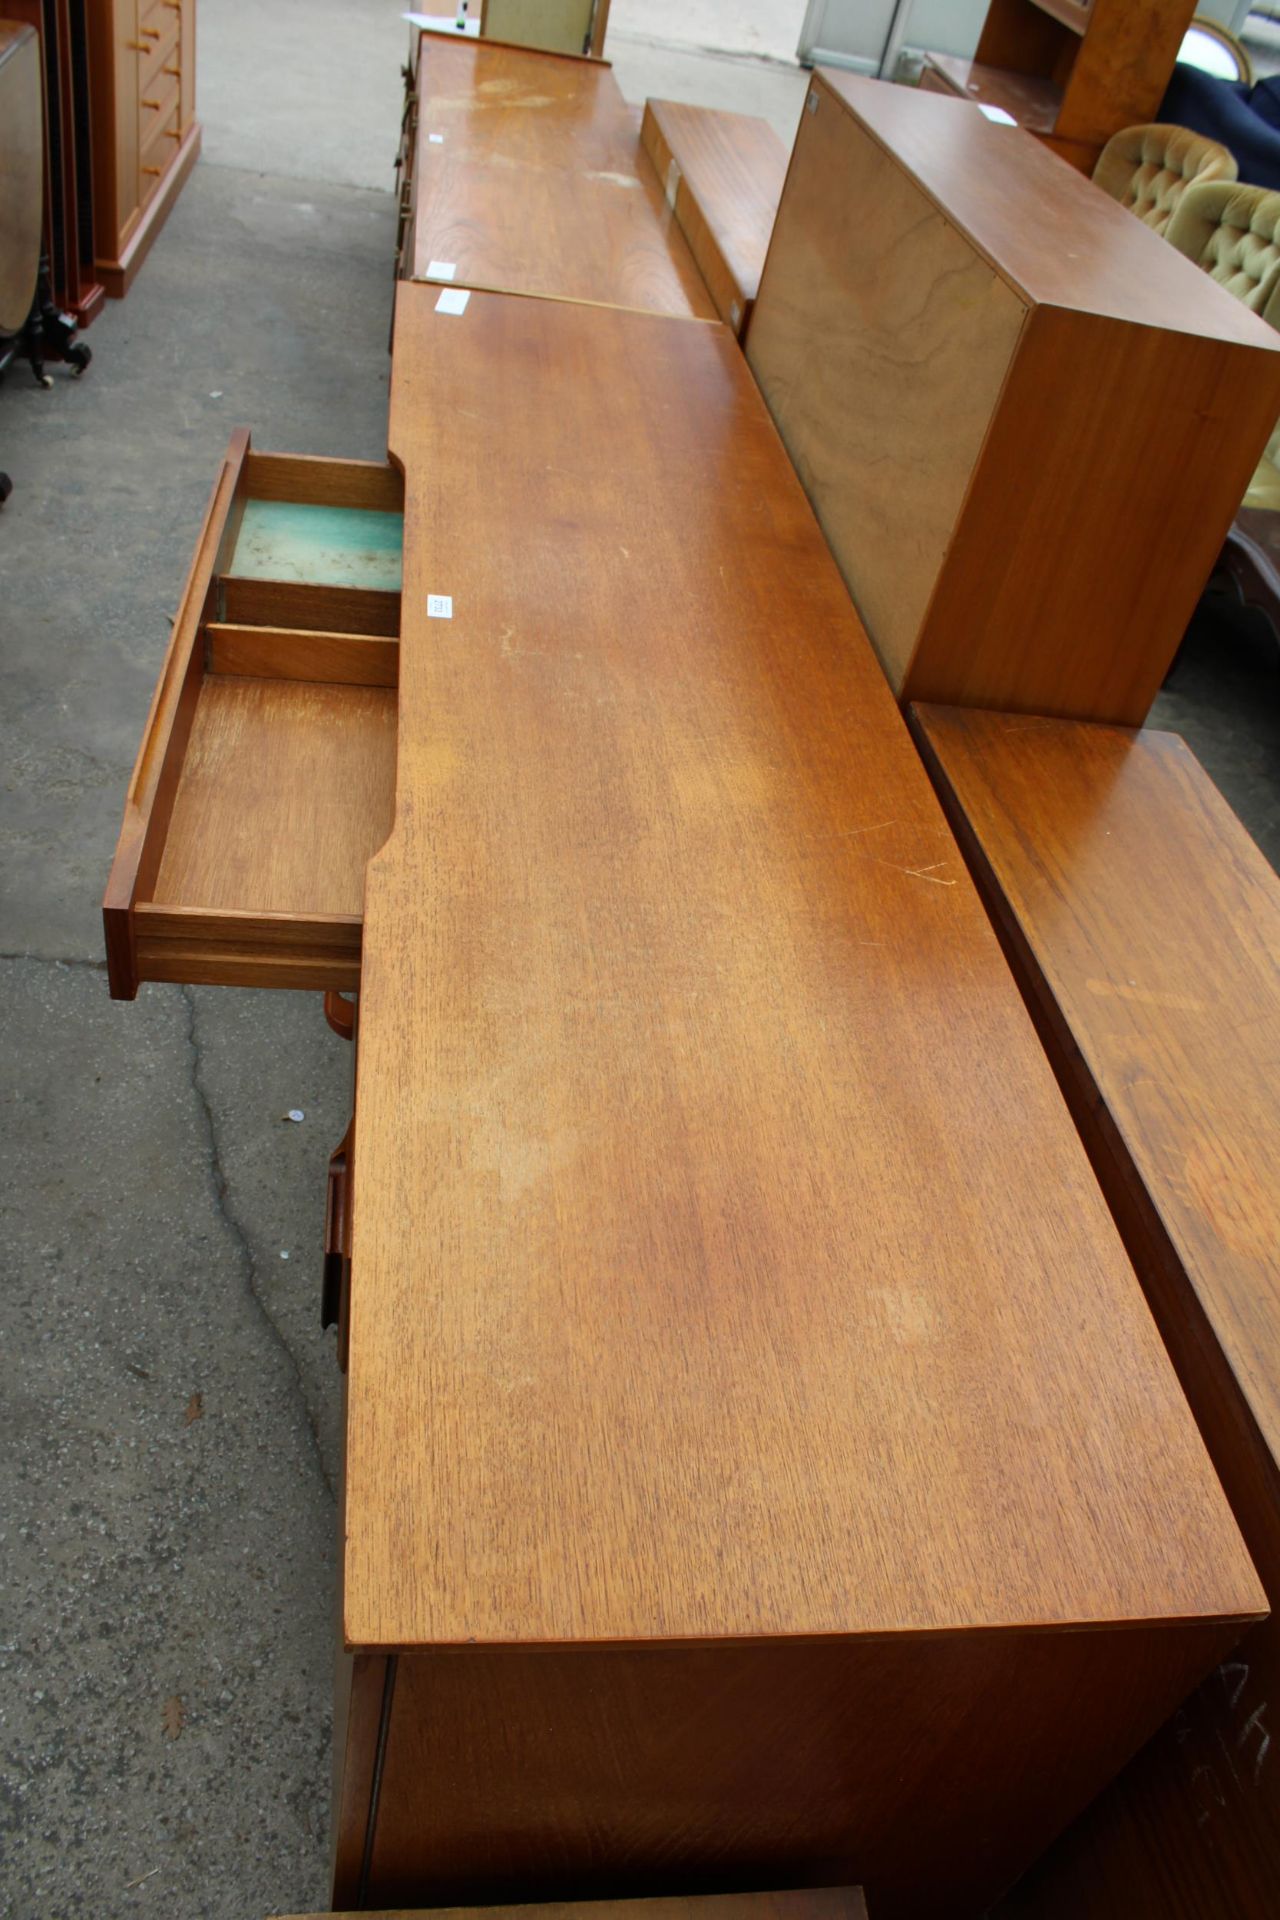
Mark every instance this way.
x=1075 y=14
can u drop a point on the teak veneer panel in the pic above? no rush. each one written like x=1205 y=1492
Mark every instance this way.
x=1144 y=925
x=993 y=388
x=739 y=1343
x=723 y=174
x=287 y=791
x=539 y=184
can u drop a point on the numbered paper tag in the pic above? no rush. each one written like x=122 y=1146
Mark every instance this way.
x=439 y=606
x=453 y=300
x=998 y=114
x=436 y=139
x=441 y=269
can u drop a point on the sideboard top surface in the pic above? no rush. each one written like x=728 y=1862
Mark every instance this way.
x=1053 y=235
x=531 y=179
x=725 y=1264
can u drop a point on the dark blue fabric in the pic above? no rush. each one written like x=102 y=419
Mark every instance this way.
x=1248 y=124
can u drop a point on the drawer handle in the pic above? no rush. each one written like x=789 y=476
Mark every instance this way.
x=156 y=170
x=175 y=71
x=172 y=133
x=149 y=33
x=151 y=103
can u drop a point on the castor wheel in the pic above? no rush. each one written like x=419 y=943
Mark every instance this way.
x=6 y=488
x=79 y=356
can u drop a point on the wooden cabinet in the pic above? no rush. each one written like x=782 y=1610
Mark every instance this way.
x=67 y=161
x=1024 y=421
x=1073 y=72
x=1144 y=926
x=145 y=133
x=760 y=1467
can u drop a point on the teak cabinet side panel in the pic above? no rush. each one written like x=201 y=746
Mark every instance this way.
x=1082 y=548
x=880 y=340
x=546 y=1773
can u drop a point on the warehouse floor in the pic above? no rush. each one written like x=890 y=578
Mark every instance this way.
x=170 y=1406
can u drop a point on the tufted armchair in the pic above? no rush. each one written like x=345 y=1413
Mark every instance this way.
x=1233 y=232
x=1147 y=169
x=1250 y=558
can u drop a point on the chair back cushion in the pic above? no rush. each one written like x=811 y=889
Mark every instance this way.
x=1233 y=233
x=1148 y=168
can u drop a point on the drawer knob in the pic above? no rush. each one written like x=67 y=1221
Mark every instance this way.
x=151 y=103
x=175 y=71
x=156 y=170
x=149 y=33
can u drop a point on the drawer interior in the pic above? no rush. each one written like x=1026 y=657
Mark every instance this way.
x=266 y=778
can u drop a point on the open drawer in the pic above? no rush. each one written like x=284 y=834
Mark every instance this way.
x=266 y=777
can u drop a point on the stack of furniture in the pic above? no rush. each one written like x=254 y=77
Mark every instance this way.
x=761 y=1466
x=1073 y=72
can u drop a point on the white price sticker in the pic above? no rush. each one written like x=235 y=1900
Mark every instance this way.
x=453 y=300
x=439 y=606
x=441 y=269
x=436 y=139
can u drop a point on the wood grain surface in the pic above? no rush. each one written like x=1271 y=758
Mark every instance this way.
x=537 y=183
x=819 y=1903
x=275 y=653
x=287 y=790
x=1145 y=927
x=672 y=967
x=929 y=1769
x=991 y=410
x=723 y=174
x=1032 y=100
x=882 y=348
x=1056 y=238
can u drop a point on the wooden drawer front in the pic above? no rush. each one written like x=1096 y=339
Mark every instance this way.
x=266 y=776
x=157 y=113
x=157 y=156
x=157 y=47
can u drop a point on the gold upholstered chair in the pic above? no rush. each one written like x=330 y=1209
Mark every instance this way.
x=1250 y=558
x=1149 y=168
x=1233 y=233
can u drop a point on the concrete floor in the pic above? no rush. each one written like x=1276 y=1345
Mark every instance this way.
x=169 y=1404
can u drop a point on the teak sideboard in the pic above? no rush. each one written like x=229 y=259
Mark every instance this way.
x=761 y=1467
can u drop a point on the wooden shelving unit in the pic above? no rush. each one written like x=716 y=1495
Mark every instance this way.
x=1071 y=71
